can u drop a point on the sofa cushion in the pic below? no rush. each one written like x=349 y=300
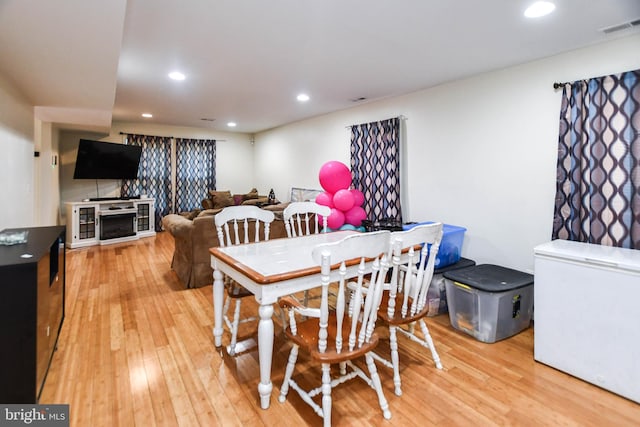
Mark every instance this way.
x=255 y=202
x=221 y=199
x=209 y=212
x=191 y=214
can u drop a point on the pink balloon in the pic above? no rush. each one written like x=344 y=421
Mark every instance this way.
x=325 y=199
x=336 y=219
x=355 y=216
x=358 y=197
x=343 y=200
x=334 y=176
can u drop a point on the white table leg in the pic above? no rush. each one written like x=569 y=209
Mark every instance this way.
x=218 y=296
x=265 y=353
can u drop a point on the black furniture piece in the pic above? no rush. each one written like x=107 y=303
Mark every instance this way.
x=32 y=289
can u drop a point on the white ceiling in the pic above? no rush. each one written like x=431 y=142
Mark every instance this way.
x=88 y=62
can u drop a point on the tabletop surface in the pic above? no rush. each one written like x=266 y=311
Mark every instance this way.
x=277 y=259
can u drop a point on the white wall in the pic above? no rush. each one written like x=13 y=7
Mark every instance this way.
x=47 y=166
x=481 y=152
x=234 y=151
x=234 y=158
x=75 y=190
x=17 y=160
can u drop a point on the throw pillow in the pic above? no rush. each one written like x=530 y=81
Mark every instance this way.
x=207 y=204
x=253 y=194
x=238 y=198
x=221 y=199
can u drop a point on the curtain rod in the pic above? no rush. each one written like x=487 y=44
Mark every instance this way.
x=163 y=136
x=562 y=84
x=401 y=117
x=133 y=133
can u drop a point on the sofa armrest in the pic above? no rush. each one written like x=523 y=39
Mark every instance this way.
x=178 y=226
x=181 y=228
x=193 y=238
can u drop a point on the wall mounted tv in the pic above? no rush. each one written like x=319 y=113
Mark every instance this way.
x=106 y=160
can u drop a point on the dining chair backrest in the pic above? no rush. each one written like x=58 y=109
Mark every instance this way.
x=358 y=248
x=303 y=218
x=242 y=224
x=413 y=277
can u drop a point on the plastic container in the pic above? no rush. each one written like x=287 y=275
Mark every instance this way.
x=437 y=294
x=450 y=250
x=390 y=224
x=489 y=302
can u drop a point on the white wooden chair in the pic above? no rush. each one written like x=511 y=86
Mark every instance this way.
x=404 y=302
x=301 y=219
x=333 y=336
x=237 y=225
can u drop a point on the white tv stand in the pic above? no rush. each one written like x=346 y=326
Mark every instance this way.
x=103 y=222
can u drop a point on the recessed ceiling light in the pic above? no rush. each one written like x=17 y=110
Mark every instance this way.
x=539 y=8
x=303 y=97
x=176 y=75
x=231 y=124
x=147 y=115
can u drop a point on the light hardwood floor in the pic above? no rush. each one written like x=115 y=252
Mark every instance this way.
x=136 y=349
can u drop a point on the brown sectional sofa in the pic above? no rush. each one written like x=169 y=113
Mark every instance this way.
x=194 y=233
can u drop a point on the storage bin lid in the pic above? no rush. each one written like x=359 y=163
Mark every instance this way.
x=446 y=228
x=463 y=263
x=490 y=278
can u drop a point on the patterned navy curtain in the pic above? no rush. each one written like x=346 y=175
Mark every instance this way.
x=195 y=172
x=375 y=166
x=598 y=171
x=154 y=174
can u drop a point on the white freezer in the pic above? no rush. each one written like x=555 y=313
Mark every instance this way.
x=587 y=313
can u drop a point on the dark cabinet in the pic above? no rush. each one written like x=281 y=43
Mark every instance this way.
x=32 y=291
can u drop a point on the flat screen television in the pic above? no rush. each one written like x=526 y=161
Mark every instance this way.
x=106 y=160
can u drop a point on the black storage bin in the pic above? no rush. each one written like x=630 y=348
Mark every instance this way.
x=489 y=302
x=437 y=294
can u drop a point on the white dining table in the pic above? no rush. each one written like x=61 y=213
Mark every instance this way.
x=269 y=269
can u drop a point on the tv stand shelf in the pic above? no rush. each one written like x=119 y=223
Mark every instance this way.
x=110 y=199
x=108 y=221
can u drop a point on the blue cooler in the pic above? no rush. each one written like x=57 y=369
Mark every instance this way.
x=450 y=250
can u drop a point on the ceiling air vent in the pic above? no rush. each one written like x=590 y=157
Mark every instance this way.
x=620 y=27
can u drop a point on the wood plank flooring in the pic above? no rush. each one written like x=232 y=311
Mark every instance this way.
x=136 y=349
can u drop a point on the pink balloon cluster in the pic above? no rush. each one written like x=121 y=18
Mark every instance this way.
x=345 y=203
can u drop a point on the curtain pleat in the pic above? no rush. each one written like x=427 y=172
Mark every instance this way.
x=598 y=169
x=154 y=173
x=375 y=167
x=195 y=172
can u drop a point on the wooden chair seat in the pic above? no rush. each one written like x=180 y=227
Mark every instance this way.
x=396 y=318
x=307 y=339
x=405 y=297
x=236 y=291
x=339 y=336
